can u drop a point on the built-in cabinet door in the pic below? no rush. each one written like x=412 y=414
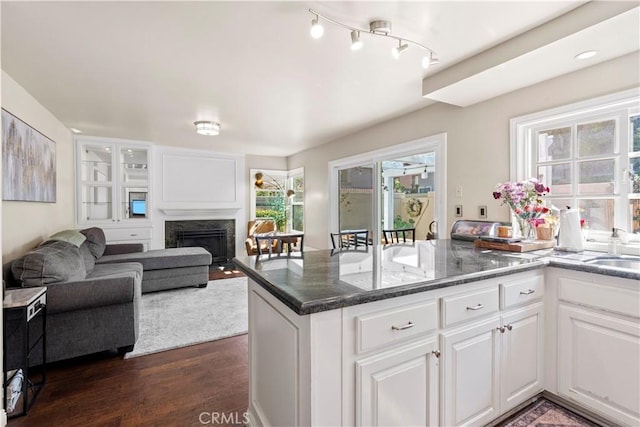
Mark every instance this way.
x=470 y=370
x=399 y=387
x=521 y=353
x=112 y=182
x=599 y=362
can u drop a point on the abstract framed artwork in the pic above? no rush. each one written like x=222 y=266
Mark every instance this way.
x=28 y=162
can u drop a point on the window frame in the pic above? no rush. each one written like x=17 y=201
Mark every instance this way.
x=288 y=177
x=620 y=107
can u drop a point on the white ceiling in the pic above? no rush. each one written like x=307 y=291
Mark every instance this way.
x=148 y=70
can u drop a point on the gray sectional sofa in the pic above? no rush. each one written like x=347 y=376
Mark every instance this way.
x=94 y=290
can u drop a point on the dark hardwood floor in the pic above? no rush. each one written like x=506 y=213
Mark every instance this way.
x=183 y=387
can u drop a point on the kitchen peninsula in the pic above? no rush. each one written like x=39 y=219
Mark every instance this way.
x=426 y=333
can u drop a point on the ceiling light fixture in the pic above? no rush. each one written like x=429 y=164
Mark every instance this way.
x=356 y=43
x=586 y=54
x=74 y=130
x=376 y=28
x=206 y=127
x=317 y=30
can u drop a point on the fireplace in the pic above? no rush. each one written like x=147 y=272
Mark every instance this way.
x=216 y=236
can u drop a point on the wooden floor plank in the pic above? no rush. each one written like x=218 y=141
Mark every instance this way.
x=170 y=388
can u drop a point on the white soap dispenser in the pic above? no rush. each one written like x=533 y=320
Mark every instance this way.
x=614 y=242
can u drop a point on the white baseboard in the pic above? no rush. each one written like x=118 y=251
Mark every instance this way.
x=3 y=418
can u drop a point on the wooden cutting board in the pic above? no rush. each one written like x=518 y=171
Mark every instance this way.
x=516 y=246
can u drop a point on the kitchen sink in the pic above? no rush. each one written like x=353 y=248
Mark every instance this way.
x=619 y=261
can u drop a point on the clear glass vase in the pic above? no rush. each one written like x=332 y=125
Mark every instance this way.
x=526 y=230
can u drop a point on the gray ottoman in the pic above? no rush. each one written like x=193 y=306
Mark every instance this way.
x=168 y=268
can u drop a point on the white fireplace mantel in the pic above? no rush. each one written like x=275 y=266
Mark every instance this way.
x=200 y=212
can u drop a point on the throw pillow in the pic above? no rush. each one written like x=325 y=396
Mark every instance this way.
x=71 y=236
x=53 y=262
x=87 y=257
x=96 y=239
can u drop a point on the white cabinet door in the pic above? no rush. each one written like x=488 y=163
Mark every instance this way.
x=112 y=181
x=399 y=387
x=522 y=346
x=470 y=374
x=599 y=362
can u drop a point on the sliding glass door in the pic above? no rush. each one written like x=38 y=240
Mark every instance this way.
x=399 y=188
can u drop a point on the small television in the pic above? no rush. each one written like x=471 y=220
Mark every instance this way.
x=138 y=207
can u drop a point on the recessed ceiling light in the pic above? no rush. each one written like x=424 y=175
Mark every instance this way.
x=586 y=54
x=74 y=130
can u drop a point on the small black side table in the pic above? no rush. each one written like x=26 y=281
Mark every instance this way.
x=25 y=318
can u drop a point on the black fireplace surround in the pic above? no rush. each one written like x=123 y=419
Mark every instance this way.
x=216 y=236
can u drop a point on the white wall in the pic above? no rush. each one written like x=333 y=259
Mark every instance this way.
x=26 y=224
x=477 y=140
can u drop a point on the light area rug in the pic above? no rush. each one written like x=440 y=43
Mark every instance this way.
x=182 y=317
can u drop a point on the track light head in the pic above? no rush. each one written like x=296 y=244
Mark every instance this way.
x=317 y=30
x=396 y=51
x=356 y=43
x=429 y=60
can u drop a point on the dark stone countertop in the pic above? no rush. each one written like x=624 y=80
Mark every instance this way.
x=324 y=280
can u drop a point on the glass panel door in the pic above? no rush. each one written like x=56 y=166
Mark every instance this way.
x=134 y=183
x=408 y=197
x=356 y=203
x=96 y=177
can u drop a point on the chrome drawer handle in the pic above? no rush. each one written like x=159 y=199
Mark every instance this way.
x=403 y=327
x=529 y=292
x=477 y=307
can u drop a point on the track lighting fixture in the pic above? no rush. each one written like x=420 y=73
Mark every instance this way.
x=356 y=43
x=317 y=30
x=378 y=28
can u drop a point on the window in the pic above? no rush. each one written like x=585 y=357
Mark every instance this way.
x=279 y=195
x=588 y=154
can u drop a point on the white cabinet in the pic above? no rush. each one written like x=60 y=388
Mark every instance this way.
x=397 y=361
x=490 y=366
x=112 y=185
x=522 y=354
x=470 y=374
x=597 y=346
x=399 y=387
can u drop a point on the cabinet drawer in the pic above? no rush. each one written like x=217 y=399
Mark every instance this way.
x=521 y=292
x=120 y=234
x=609 y=298
x=384 y=327
x=470 y=305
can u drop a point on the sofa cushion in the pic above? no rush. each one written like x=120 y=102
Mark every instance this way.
x=159 y=259
x=87 y=257
x=71 y=236
x=97 y=240
x=53 y=261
